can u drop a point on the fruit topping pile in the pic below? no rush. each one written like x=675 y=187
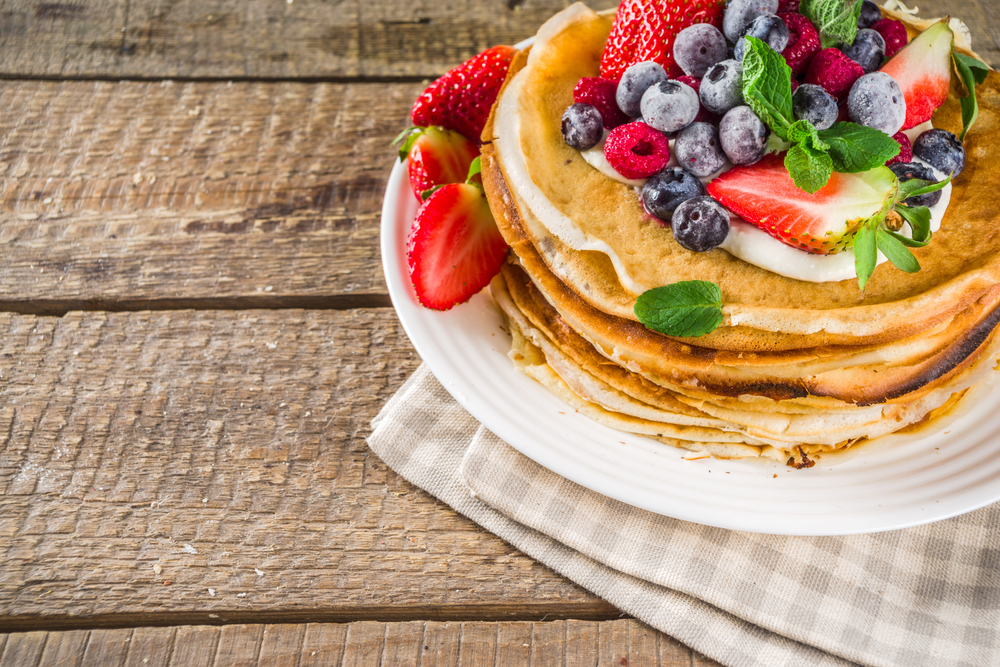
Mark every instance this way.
x=789 y=114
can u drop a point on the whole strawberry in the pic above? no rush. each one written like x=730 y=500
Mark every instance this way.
x=461 y=99
x=645 y=30
x=436 y=157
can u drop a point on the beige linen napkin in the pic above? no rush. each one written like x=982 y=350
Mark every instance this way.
x=922 y=596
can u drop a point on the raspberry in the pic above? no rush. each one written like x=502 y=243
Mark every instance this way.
x=636 y=150
x=795 y=85
x=894 y=34
x=600 y=92
x=704 y=115
x=785 y=6
x=905 y=150
x=834 y=71
x=803 y=42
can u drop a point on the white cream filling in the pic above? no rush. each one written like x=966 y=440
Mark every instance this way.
x=745 y=241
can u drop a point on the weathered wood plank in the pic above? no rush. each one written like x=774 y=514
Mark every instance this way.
x=582 y=642
x=367 y=643
x=190 y=465
x=64 y=649
x=257 y=39
x=22 y=650
x=106 y=648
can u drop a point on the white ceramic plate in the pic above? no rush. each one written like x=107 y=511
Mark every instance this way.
x=941 y=475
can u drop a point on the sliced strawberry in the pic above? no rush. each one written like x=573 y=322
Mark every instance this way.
x=436 y=157
x=645 y=30
x=923 y=71
x=822 y=223
x=454 y=248
x=461 y=99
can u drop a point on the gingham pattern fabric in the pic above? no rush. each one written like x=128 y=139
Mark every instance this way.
x=923 y=596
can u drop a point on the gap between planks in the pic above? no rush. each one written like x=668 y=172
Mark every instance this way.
x=60 y=307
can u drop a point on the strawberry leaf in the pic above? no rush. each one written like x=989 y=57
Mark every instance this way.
x=767 y=86
x=919 y=219
x=916 y=187
x=687 y=309
x=896 y=251
x=409 y=137
x=865 y=254
x=836 y=20
x=972 y=71
x=809 y=168
x=855 y=148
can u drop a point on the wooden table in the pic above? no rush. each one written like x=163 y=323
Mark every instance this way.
x=196 y=335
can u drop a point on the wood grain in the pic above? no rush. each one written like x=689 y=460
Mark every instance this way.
x=516 y=644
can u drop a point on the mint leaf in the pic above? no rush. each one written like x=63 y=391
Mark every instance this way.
x=855 y=148
x=767 y=86
x=972 y=72
x=836 y=20
x=808 y=167
x=802 y=131
x=865 y=254
x=895 y=251
x=686 y=309
x=919 y=219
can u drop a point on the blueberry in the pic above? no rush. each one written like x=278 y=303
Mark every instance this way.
x=698 y=150
x=769 y=29
x=743 y=136
x=868 y=50
x=722 y=87
x=908 y=170
x=942 y=150
x=869 y=14
x=669 y=189
x=740 y=13
x=582 y=127
x=669 y=106
x=876 y=101
x=635 y=81
x=812 y=103
x=700 y=224
x=698 y=47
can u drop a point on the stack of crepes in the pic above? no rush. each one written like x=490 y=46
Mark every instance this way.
x=798 y=370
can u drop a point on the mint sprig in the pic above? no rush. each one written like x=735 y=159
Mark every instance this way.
x=685 y=309
x=973 y=72
x=814 y=155
x=836 y=20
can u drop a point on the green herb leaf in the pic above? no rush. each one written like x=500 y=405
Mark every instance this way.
x=809 y=168
x=409 y=137
x=475 y=168
x=802 y=131
x=855 y=148
x=972 y=72
x=916 y=187
x=836 y=20
x=865 y=255
x=919 y=219
x=895 y=251
x=686 y=309
x=767 y=86
x=426 y=194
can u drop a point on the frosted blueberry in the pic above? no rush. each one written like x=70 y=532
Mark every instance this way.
x=877 y=101
x=740 y=13
x=667 y=190
x=634 y=82
x=869 y=14
x=669 y=106
x=582 y=127
x=743 y=136
x=698 y=150
x=812 y=103
x=722 y=87
x=908 y=170
x=698 y=47
x=769 y=29
x=700 y=224
x=868 y=50
x=942 y=150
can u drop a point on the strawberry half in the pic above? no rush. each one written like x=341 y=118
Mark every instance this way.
x=822 y=223
x=923 y=71
x=436 y=157
x=461 y=99
x=454 y=248
x=645 y=30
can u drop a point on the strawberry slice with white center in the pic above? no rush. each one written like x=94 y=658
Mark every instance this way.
x=454 y=247
x=436 y=157
x=823 y=222
x=923 y=71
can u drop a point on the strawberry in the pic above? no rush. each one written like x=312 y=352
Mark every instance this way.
x=822 y=223
x=461 y=99
x=645 y=30
x=454 y=247
x=923 y=71
x=436 y=157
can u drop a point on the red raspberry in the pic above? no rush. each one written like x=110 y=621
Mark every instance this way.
x=834 y=71
x=795 y=84
x=600 y=93
x=704 y=115
x=894 y=34
x=788 y=6
x=803 y=42
x=905 y=149
x=636 y=150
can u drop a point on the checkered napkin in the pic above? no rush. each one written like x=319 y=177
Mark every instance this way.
x=921 y=596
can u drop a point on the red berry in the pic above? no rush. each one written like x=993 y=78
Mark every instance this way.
x=905 y=149
x=636 y=150
x=795 y=84
x=436 y=157
x=803 y=42
x=600 y=93
x=704 y=115
x=454 y=248
x=834 y=71
x=786 y=6
x=461 y=99
x=645 y=30
x=894 y=34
